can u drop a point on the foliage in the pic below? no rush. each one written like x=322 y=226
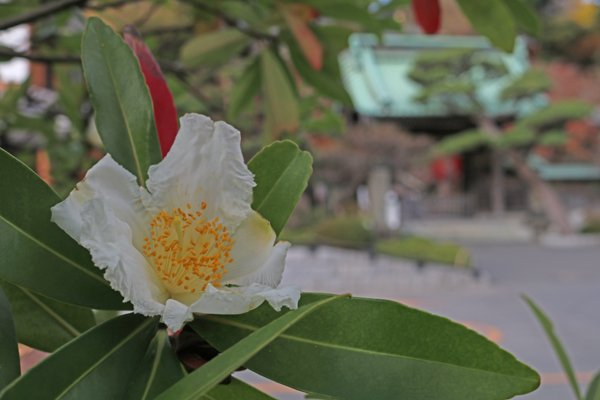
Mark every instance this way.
x=451 y=78
x=320 y=356
x=529 y=84
x=462 y=142
x=556 y=114
x=345 y=231
x=349 y=348
x=425 y=250
x=592 y=226
x=593 y=392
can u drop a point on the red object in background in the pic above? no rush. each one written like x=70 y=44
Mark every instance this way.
x=428 y=14
x=165 y=113
x=444 y=168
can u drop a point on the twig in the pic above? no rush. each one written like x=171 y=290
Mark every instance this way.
x=229 y=20
x=49 y=59
x=168 y=29
x=118 y=3
x=43 y=11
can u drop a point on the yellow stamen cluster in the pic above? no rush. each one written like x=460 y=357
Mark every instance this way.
x=186 y=252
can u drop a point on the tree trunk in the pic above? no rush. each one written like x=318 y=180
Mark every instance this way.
x=550 y=200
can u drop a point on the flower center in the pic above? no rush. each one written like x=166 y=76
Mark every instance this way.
x=186 y=252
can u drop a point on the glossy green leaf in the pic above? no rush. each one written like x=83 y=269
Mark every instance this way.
x=246 y=87
x=213 y=48
x=280 y=98
x=358 y=349
x=556 y=344
x=236 y=390
x=492 y=19
x=124 y=115
x=326 y=85
x=160 y=369
x=281 y=172
x=43 y=323
x=36 y=254
x=199 y=382
x=10 y=363
x=524 y=16
x=593 y=391
x=97 y=365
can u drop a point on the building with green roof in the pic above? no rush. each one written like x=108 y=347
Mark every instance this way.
x=375 y=74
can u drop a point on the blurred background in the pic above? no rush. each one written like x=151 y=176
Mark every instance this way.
x=452 y=170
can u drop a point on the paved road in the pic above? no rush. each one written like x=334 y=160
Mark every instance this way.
x=565 y=283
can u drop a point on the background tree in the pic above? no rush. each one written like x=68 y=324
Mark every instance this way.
x=452 y=79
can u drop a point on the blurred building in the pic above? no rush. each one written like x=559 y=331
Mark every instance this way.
x=376 y=75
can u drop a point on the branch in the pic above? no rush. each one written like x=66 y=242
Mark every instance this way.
x=44 y=11
x=49 y=59
x=168 y=29
x=232 y=22
x=117 y=3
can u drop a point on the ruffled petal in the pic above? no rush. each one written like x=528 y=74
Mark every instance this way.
x=270 y=273
x=114 y=183
x=205 y=164
x=231 y=301
x=252 y=247
x=109 y=241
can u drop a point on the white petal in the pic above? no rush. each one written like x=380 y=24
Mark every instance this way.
x=231 y=301
x=270 y=273
x=205 y=164
x=252 y=247
x=239 y=300
x=109 y=241
x=176 y=314
x=113 y=182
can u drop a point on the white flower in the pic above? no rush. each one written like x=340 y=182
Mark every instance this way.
x=190 y=243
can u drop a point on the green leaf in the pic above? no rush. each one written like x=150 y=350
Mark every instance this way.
x=345 y=10
x=10 y=363
x=517 y=137
x=213 y=48
x=557 y=114
x=121 y=99
x=556 y=344
x=492 y=19
x=593 y=391
x=199 y=382
x=462 y=142
x=326 y=85
x=43 y=323
x=246 y=87
x=555 y=138
x=358 y=349
x=281 y=173
x=97 y=365
x=524 y=16
x=160 y=369
x=36 y=254
x=236 y=390
x=280 y=98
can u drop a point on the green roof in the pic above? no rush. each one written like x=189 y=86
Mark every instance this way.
x=376 y=75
